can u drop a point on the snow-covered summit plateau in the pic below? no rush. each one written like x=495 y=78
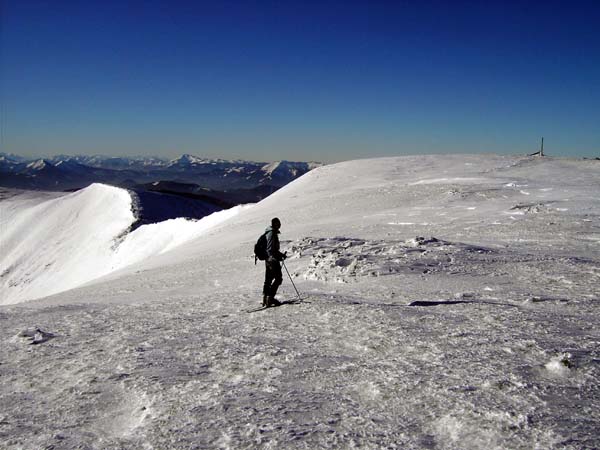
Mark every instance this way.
x=449 y=302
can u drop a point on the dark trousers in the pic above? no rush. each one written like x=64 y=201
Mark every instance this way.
x=273 y=278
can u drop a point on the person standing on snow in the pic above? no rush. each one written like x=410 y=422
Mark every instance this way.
x=273 y=277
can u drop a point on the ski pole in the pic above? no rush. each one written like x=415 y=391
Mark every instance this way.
x=288 y=272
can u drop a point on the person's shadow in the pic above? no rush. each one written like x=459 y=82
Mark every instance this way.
x=438 y=302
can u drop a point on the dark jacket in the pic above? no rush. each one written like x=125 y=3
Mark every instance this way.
x=273 y=252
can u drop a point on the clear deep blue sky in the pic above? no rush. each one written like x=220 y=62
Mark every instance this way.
x=316 y=80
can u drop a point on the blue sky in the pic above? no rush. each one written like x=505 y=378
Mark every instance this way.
x=317 y=80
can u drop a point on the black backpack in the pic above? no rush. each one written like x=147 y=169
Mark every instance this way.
x=260 y=248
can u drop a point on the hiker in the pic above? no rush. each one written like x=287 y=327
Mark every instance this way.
x=273 y=277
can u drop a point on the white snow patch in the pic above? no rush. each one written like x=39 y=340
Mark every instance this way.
x=559 y=365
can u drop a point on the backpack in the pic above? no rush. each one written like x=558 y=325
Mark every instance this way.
x=260 y=248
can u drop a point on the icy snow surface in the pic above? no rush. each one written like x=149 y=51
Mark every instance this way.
x=449 y=302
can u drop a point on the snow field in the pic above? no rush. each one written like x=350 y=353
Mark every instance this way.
x=333 y=372
x=483 y=335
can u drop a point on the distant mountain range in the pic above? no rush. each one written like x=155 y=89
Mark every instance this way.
x=189 y=173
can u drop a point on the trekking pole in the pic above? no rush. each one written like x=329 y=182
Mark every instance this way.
x=288 y=272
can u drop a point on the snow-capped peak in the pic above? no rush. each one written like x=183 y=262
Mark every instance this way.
x=271 y=167
x=38 y=165
x=286 y=168
x=187 y=159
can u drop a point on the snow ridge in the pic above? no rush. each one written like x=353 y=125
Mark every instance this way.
x=54 y=245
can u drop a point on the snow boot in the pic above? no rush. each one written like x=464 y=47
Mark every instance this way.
x=272 y=301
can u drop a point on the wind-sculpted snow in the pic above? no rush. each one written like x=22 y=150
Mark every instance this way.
x=49 y=246
x=447 y=302
x=54 y=245
x=345 y=260
x=342 y=259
